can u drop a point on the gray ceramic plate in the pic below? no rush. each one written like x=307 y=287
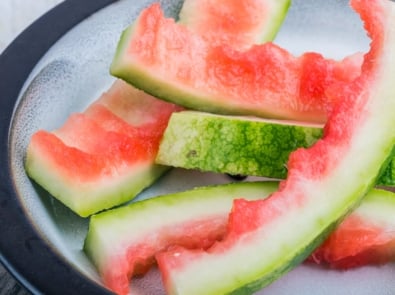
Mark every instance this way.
x=69 y=76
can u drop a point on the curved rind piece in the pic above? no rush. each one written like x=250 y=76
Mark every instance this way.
x=325 y=182
x=123 y=242
x=104 y=156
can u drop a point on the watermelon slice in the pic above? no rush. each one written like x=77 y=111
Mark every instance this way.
x=170 y=62
x=123 y=242
x=325 y=182
x=112 y=146
x=240 y=23
x=238 y=145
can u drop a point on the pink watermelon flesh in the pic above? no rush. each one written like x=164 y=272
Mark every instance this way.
x=324 y=182
x=65 y=159
x=140 y=257
x=365 y=237
x=165 y=59
x=356 y=243
x=105 y=156
x=135 y=107
x=87 y=135
x=239 y=23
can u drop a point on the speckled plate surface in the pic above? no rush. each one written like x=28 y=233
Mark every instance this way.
x=59 y=66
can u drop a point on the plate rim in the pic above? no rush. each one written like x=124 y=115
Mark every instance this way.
x=22 y=248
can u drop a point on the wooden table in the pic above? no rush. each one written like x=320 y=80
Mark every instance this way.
x=15 y=15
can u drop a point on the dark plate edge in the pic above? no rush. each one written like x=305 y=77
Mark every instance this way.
x=22 y=251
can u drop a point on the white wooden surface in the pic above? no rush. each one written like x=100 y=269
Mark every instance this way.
x=15 y=15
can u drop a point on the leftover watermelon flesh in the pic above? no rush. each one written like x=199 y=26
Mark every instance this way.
x=325 y=182
x=104 y=156
x=170 y=62
x=365 y=237
x=240 y=23
x=123 y=242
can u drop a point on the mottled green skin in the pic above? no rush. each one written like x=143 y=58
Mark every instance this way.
x=387 y=178
x=233 y=145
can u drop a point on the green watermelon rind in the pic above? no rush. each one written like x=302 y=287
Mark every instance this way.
x=387 y=177
x=110 y=232
x=271 y=29
x=88 y=198
x=231 y=144
x=377 y=207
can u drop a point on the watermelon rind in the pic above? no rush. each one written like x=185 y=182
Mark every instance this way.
x=112 y=232
x=387 y=177
x=86 y=198
x=232 y=144
x=62 y=163
x=378 y=207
